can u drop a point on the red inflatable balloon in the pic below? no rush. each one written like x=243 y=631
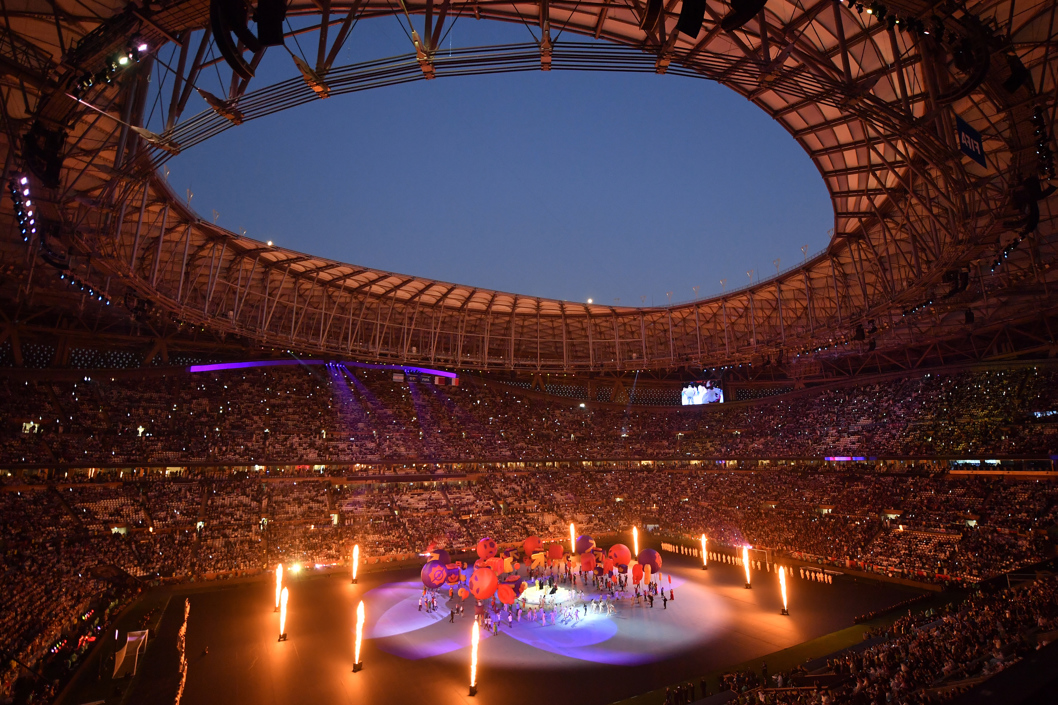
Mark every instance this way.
x=495 y=564
x=463 y=593
x=637 y=573
x=506 y=594
x=531 y=545
x=620 y=554
x=607 y=565
x=587 y=562
x=482 y=583
x=555 y=551
x=487 y=548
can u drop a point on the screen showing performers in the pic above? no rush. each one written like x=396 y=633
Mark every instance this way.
x=707 y=392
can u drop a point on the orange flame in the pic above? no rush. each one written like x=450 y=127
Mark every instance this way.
x=356 y=559
x=782 y=585
x=745 y=561
x=279 y=582
x=635 y=543
x=705 y=554
x=359 y=629
x=474 y=638
x=572 y=539
x=284 y=596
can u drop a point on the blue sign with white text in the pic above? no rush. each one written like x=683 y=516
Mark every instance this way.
x=970 y=141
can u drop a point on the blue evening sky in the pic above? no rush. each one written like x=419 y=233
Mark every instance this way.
x=570 y=185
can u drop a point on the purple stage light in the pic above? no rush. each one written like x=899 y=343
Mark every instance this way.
x=220 y=366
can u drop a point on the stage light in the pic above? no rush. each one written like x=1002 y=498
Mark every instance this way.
x=635 y=543
x=279 y=583
x=572 y=539
x=745 y=564
x=782 y=587
x=358 y=665
x=142 y=48
x=475 y=637
x=356 y=561
x=284 y=596
x=705 y=553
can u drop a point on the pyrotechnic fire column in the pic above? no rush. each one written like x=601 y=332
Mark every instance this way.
x=358 y=665
x=474 y=639
x=745 y=563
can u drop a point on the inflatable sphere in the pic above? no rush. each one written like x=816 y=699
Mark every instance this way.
x=555 y=551
x=587 y=562
x=486 y=548
x=620 y=554
x=439 y=554
x=434 y=574
x=650 y=557
x=637 y=573
x=452 y=570
x=585 y=544
x=506 y=594
x=482 y=583
x=531 y=545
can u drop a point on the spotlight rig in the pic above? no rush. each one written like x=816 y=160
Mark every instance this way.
x=18 y=187
x=133 y=52
x=85 y=287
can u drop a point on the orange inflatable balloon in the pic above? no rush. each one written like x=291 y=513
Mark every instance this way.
x=482 y=583
x=506 y=594
x=532 y=544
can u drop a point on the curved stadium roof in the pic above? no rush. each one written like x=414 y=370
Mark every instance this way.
x=917 y=223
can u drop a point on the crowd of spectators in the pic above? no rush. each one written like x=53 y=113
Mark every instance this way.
x=75 y=539
x=922 y=658
x=68 y=543
x=319 y=414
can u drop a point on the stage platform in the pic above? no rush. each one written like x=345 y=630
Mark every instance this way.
x=416 y=657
